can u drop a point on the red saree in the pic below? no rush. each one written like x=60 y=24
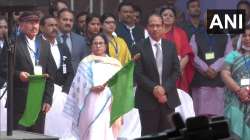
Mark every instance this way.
x=180 y=39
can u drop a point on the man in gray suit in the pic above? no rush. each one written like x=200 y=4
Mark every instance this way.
x=77 y=44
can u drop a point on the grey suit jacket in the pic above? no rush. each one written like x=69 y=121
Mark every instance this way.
x=79 y=49
x=147 y=76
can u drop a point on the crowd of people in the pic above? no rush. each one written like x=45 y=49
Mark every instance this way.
x=81 y=52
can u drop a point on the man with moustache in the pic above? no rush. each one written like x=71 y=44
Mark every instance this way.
x=127 y=28
x=62 y=59
x=32 y=56
x=63 y=76
x=76 y=44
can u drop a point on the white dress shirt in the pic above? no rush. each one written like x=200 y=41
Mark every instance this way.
x=32 y=49
x=153 y=42
x=55 y=53
x=1 y=44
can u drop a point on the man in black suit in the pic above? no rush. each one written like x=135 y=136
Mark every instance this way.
x=32 y=55
x=62 y=66
x=3 y=55
x=156 y=73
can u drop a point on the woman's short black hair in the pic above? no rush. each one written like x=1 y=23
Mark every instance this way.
x=107 y=15
x=168 y=7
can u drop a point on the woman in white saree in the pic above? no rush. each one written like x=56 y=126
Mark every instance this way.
x=89 y=101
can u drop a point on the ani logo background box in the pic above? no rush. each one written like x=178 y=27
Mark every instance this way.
x=225 y=21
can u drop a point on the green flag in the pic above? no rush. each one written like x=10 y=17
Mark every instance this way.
x=121 y=86
x=33 y=100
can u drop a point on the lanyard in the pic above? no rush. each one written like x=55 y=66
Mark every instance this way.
x=115 y=45
x=36 y=52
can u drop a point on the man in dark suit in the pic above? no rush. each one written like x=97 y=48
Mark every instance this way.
x=3 y=31
x=156 y=73
x=32 y=54
x=62 y=66
x=127 y=28
x=77 y=44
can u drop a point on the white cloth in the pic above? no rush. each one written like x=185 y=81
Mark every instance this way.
x=90 y=112
x=56 y=124
x=186 y=109
x=131 y=127
x=146 y=35
x=3 y=111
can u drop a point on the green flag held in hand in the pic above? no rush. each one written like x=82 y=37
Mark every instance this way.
x=121 y=86
x=33 y=100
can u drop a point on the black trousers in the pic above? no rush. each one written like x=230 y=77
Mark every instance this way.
x=38 y=127
x=155 y=121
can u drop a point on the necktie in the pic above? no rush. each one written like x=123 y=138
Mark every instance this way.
x=158 y=59
x=64 y=37
x=132 y=36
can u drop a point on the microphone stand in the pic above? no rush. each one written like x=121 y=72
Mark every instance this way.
x=10 y=46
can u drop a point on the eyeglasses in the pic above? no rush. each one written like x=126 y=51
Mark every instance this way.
x=98 y=43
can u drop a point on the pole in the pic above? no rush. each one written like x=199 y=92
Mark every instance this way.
x=72 y=5
x=90 y=6
x=101 y=7
x=11 y=53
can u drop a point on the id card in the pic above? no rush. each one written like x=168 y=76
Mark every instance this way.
x=209 y=56
x=38 y=70
x=245 y=82
x=64 y=68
